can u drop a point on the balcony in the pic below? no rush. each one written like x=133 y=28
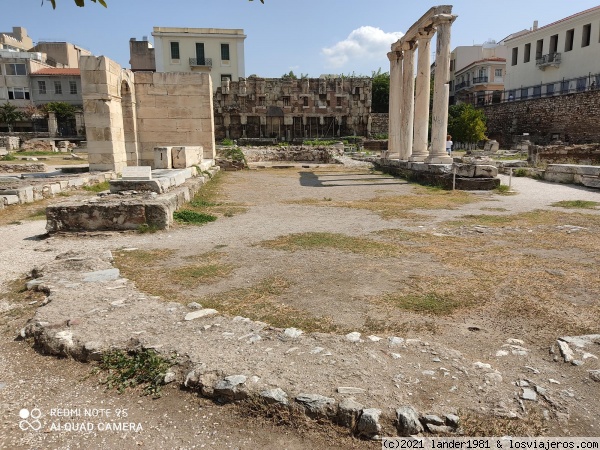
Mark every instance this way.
x=478 y=80
x=202 y=62
x=464 y=84
x=549 y=60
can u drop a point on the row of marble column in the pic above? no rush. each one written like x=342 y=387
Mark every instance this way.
x=409 y=103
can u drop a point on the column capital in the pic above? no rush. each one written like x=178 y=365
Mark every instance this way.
x=409 y=46
x=425 y=34
x=442 y=19
x=394 y=56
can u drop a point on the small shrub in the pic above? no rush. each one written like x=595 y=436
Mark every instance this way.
x=146 y=228
x=227 y=142
x=8 y=157
x=234 y=154
x=132 y=369
x=193 y=217
x=503 y=189
x=520 y=172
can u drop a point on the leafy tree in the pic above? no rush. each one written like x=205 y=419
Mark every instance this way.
x=380 y=102
x=289 y=76
x=79 y=3
x=9 y=114
x=61 y=109
x=466 y=123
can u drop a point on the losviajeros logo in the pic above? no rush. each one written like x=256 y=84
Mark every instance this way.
x=30 y=419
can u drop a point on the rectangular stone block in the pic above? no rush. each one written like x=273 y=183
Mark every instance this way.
x=136 y=173
x=162 y=158
x=186 y=156
x=24 y=194
x=9 y=199
x=136 y=185
x=592 y=182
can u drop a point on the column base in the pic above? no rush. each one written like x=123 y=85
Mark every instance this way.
x=439 y=160
x=388 y=155
x=418 y=158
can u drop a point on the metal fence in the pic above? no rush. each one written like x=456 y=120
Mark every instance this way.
x=590 y=82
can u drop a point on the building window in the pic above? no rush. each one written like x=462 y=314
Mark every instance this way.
x=539 y=49
x=18 y=93
x=569 y=40
x=452 y=62
x=524 y=93
x=498 y=72
x=286 y=101
x=554 y=43
x=42 y=87
x=225 y=77
x=261 y=101
x=527 y=53
x=57 y=87
x=175 y=50
x=16 y=69
x=587 y=34
x=515 y=55
x=338 y=101
x=224 y=52
x=305 y=101
x=72 y=87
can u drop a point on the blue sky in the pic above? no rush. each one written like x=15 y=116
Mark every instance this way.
x=307 y=36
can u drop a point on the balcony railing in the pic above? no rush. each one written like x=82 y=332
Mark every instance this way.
x=462 y=85
x=196 y=62
x=480 y=80
x=551 y=59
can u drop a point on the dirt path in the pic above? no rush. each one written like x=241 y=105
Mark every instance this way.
x=363 y=259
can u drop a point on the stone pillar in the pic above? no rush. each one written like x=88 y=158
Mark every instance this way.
x=408 y=101
x=395 y=105
x=422 y=96
x=52 y=124
x=441 y=93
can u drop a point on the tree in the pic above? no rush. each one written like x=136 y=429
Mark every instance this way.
x=380 y=101
x=62 y=110
x=9 y=115
x=79 y=3
x=466 y=123
x=289 y=76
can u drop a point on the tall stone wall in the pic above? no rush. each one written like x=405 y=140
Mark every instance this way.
x=174 y=109
x=127 y=114
x=570 y=118
x=380 y=123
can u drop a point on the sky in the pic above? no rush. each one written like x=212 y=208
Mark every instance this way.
x=310 y=37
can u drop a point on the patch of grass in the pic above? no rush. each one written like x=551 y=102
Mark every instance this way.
x=503 y=189
x=39 y=214
x=494 y=209
x=335 y=241
x=259 y=302
x=520 y=172
x=528 y=219
x=208 y=199
x=98 y=187
x=146 y=228
x=193 y=217
x=227 y=142
x=581 y=204
x=430 y=303
x=142 y=368
x=479 y=425
x=193 y=275
x=8 y=157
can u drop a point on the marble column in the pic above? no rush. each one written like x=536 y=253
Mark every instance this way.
x=441 y=93
x=52 y=124
x=420 y=151
x=408 y=101
x=395 y=105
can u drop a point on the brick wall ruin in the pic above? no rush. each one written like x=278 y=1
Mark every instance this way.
x=127 y=114
x=291 y=109
x=570 y=118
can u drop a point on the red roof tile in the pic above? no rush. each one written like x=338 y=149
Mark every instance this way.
x=58 y=72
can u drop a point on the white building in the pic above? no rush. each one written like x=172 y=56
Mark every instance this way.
x=219 y=52
x=558 y=58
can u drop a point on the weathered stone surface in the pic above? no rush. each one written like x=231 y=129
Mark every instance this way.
x=200 y=313
x=368 y=423
x=452 y=420
x=353 y=337
x=407 y=421
x=432 y=419
x=292 y=333
x=565 y=350
x=231 y=388
x=439 y=429
x=595 y=375
x=348 y=412
x=350 y=390
x=276 y=395
x=316 y=404
x=101 y=276
x=529 y=394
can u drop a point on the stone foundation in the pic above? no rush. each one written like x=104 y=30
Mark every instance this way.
x=317 y=154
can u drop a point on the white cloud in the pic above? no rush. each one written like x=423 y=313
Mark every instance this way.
x=364 y=43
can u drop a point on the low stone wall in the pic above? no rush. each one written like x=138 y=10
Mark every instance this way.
x=18 y=168
x=573 y=174
x=316 y=154
x=469 y=177
x=588 y=154
x=376 y=145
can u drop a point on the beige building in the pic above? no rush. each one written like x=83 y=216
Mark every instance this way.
x=15 y=70
x=16 y=40
x=561 y=57
x=475 y=69
x=219 y=52
x=61 y=54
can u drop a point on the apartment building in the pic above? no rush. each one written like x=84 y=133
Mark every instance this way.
x=219 y=52
x=559 y=58
x=16 y=40
x=476 y=72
